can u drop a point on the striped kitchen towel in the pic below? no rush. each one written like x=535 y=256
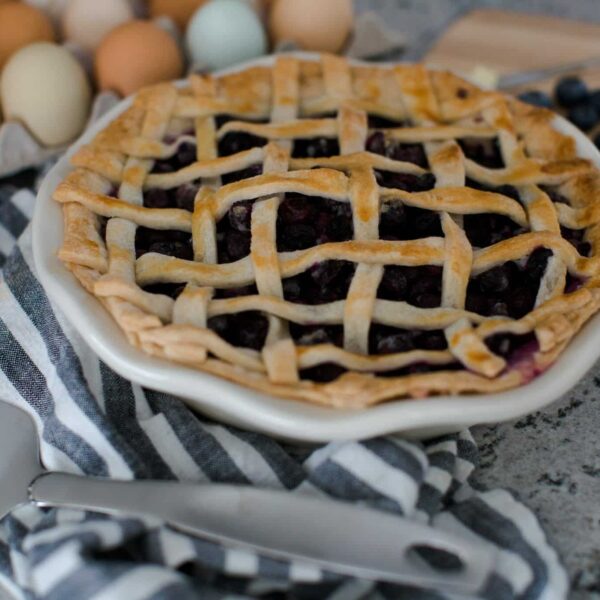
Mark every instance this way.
x=93 y=421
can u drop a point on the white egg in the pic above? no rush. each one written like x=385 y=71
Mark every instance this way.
x=45 y=88
x=224 y=32
x=86 y=22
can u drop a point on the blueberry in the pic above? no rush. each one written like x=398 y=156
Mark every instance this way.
x=426 y=300
x=296 y=209
x=292 y=290
x=323 y=373
x=536 y=263
x=432 y=340
x=521 y=301
x=240 y=215
x=595 y=100
x=238 y=246
x=402 y=341
x=316 y=148
x=583 y=116
x=584 y=248
x=536 y=98
x=185 y=196
x=157 y=198
x=233 y=143
x=376 y=143
x=176 y=249
x=325 y=272
x=476 y=303
x=252 y=330
x=413 y=153
x=392 y=219
x=393 y=283
x=186 y=154
x=499 y=309
x=297 y=237
x=495 y=280
x=570 y=91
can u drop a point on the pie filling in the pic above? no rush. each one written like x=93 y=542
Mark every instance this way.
x=507 y=290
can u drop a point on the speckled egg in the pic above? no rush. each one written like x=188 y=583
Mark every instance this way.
x=20 y=25
x=86 y=22
x=319 y=25
x=46 y=88
x=135 y=55
x=223 y=33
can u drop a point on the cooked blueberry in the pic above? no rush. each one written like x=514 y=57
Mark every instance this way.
x=176 y=249
x=238 y=246
x=413 y=153
x=499 y=309
x=570 y=91
x=323 y=373
x=405 y=181
x=485 y=152
x=247 y=329
x=536 y=98
x=309 y=335
x=185 y=196
x=247 y=290
x=296 y=209
x=505 y=344
x=298 y=237
x=186 y=154
x=157 y=198
x=584 y=248
x=325 y=272
x=536 y=263
x=376 y=143
x=521 y=302
x=166 y=289
x=316 y=148
x=393 y=283
x=292 y=290
x=236 y=142
x=392 y=221
x=584 y=116
x=426 y=300
x=398 y=342
x=496 y=280
x=376 y=122
x=486 y=229
x=251 y=171
x=240 y=215
x=476 y=302
x=431 y=340
x=421 y=223
x=164 y=166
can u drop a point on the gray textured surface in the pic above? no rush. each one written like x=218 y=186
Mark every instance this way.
x=552 y=458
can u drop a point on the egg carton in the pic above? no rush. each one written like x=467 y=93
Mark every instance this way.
x=19 y=150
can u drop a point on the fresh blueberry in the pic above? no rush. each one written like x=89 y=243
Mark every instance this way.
x=536 y=98
x=584 y=116
x=570 y=91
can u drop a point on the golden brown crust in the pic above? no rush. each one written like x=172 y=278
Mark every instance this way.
x=294 y=95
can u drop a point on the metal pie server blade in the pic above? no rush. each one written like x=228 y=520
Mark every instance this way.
x=331 y=535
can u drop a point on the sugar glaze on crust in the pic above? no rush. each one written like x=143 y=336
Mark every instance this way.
x=332 y=98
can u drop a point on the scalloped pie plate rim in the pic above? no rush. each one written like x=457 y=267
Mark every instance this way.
x=279 y=417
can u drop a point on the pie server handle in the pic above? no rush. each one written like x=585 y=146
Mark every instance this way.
x=335 y=536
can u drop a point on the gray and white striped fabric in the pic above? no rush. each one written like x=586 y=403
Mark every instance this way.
x=93 y=421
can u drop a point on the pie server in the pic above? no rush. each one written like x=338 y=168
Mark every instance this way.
x=335 y=536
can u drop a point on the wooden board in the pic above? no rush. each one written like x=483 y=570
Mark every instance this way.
x=508 y=42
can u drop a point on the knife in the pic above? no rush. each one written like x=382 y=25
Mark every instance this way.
x=335 y=536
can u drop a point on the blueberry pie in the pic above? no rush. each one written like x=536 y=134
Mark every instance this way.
x=338 y=234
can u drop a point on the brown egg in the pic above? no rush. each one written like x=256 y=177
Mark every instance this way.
x=321 y=25
x=21 y=25
x=179 y=10
x=134 y=55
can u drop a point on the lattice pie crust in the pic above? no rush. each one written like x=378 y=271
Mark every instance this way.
x=112 y=173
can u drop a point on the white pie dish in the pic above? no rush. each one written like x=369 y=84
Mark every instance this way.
x=279 y=417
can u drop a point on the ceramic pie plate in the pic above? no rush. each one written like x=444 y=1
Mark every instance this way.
x=282 y=418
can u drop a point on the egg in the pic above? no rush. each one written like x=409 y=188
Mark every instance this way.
x=20 y=25
x=225 y=32
x=178 y=10
x=86 y=22
x=319 y=25
x=134 y=55
x=44 y=87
